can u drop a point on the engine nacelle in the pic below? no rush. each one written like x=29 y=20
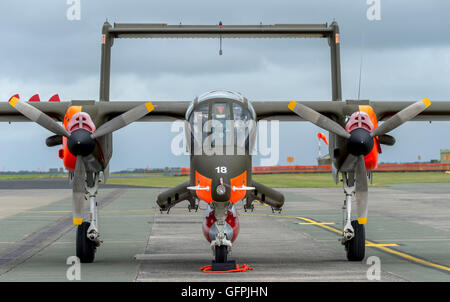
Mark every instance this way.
x=360 y=122
x=74 y=119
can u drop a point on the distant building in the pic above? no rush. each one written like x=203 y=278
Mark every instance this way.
x=172 y=171
x=324 y=160
x=445 y=156
x=53 y=171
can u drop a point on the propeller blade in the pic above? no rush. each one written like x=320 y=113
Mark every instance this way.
x=78 y=191
x=106 y=174
x=361 y=189
x=124 y=119
x=318 y=119
x=401 y=117
x=37 y=116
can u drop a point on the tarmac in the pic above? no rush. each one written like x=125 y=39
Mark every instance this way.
x=408 y=232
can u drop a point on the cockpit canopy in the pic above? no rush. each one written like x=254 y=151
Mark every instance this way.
x=221 y=121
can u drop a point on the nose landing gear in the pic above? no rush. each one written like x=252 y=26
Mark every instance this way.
x=221 y=262
x=221 y=244
x=353 y=234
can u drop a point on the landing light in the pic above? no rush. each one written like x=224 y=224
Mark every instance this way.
x=221 y=190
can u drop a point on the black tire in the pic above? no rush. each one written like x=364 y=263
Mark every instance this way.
x=357 y=246
x=221 y=254
x=85 y=247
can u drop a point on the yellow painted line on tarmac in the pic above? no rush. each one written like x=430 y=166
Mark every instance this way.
x=380 y=244
x=316 y=223
x=313 y=222
x=385 y=247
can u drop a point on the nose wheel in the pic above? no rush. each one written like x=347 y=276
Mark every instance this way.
x=355 y=247
x=221 y=253
x=85 y=247
x=221 y=262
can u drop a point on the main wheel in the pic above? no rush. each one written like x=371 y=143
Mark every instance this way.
x=85 y=247
x=356 y=247
x=221 y=254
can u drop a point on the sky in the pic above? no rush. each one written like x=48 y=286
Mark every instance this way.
x=405 y=56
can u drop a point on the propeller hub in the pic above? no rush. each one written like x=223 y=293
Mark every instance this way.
x=81 y=143
x=360 y=142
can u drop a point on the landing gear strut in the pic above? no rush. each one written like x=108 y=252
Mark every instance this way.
x=193 y=204
x=276 y=210
x=353 y=234
x=88 y=236
x=248 y=205
x=222 y=244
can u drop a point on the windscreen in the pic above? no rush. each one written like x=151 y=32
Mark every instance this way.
x=220 y=127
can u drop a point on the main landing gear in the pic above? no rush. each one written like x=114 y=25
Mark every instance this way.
x=353 y=234
x=248 y=205
x=86 y=248
x=88 y=236
x=276 y=210
x=193 y=204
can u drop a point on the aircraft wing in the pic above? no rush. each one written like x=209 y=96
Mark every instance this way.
x=438 y=110
x=265 y=110
x=164 y=111
x=56 y=110
x=278 y=110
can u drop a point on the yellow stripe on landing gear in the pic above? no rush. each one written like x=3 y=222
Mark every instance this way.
x=77 y=221
x=362 y=220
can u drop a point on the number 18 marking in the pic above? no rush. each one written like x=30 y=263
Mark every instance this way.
x=221 y=169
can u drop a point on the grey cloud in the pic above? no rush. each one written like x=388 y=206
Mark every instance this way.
x=405 y=57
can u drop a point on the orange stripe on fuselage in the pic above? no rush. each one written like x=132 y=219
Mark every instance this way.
x=238 y=181
x=203 y=181
x=371 y=159
x=69 y=159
